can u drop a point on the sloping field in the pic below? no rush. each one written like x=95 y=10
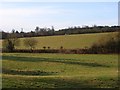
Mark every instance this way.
x=27 y=70
x=67 y=41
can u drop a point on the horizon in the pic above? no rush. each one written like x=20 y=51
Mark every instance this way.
x=28 y=15
x=58 y=29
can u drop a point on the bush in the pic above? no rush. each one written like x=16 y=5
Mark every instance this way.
x=107 y=45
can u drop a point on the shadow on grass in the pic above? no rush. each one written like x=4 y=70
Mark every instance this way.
x=58 y=82
x=78 y=83
x=20 y=72
x=65 y=61
x=63 y=83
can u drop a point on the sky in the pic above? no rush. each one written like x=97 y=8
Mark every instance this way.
x=28 y=15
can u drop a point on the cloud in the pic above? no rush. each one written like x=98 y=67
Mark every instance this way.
x=30 y=15
x=26 y=11
x=29 y=18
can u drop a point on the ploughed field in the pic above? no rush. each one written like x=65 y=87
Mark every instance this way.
x=28 y=70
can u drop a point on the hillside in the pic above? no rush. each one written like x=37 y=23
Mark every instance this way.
x=67 y=41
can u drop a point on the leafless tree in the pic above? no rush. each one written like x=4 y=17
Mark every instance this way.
x=30 y=42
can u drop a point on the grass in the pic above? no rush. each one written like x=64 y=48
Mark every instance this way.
x=67 y=41
x=28 y=70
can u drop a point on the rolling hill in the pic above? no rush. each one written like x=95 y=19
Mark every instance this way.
x=67 y=41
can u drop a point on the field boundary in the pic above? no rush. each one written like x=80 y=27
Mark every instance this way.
x=64 y=51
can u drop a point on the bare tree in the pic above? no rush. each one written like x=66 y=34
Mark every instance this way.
x=11 y=42
x=30 y=42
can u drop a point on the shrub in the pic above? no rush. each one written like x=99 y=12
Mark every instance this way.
x=107 y=45
x=44 y=47
x=48 y=47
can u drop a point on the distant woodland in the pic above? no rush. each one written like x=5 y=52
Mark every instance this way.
x=67 y=31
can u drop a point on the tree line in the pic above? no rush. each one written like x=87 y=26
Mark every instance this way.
x=67 y=31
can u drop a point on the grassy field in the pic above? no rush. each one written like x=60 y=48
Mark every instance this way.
x=67 y=41
x=27 y=70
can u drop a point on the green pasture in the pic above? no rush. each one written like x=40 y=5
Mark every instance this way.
x=28 y=70
x=67 y=41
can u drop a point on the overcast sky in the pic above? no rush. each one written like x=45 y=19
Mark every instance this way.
x=28 y=15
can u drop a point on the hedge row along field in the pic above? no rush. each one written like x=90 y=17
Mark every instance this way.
x=23 y=70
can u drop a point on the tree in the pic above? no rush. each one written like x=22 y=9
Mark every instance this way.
x=30 y=42
x=53 y=30
x=37 y=30
x=13 y=31
x=22 y=33
x=17 y=32
x=10 y=43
